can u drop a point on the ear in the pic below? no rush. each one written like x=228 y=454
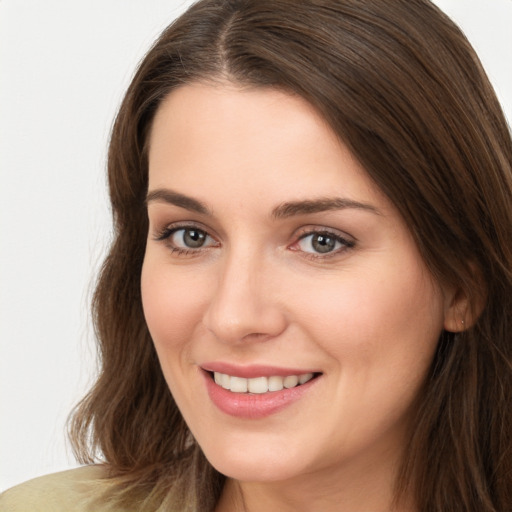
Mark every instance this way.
x=461 y=309
x=456 y=311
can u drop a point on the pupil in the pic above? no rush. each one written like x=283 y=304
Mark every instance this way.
x=194 y=238
x=323 y=243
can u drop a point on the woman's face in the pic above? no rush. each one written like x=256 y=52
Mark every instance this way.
x=272 y=258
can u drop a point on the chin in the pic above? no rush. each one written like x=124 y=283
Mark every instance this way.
x=247 y=467
x=247 y=471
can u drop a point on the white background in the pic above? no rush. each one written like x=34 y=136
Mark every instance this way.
x=64 y=65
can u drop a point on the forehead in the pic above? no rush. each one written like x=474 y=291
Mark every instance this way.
x=217 y=112
x=225 y=143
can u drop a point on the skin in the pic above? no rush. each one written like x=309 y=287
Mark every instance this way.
x=367 y=314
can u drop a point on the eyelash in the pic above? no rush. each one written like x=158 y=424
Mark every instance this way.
x=165 y=234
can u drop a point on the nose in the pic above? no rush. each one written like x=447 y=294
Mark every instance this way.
x=245 y=305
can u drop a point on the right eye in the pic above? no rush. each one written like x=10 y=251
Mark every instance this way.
x=186 y=239
x=189 y=238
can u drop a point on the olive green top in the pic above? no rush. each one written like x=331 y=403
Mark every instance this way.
x=68 y=491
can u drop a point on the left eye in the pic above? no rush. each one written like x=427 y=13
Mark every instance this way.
x=321 y=243
x=190 y=238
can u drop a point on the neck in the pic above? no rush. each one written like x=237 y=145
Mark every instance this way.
x=367 y=488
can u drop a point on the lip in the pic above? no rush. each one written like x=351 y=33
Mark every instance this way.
x=255 y=370
x=254 y=406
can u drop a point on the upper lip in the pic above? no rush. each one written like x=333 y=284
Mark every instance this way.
x=253 y=370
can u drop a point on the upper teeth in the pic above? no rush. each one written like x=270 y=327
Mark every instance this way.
x=259 y=384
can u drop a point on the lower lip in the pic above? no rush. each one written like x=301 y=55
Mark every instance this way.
x=254 y=406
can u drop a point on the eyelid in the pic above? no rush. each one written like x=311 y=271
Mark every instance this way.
x=164 y=232
x=315 y=229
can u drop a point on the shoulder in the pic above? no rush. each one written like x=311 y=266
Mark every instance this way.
x=67 y=491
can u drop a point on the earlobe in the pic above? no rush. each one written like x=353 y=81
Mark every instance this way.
x=452 y=324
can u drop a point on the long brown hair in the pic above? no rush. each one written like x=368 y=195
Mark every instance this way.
x=402 y=87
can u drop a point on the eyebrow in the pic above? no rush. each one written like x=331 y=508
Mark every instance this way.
x=290 y=209
x=282 y=211
x=165 y=195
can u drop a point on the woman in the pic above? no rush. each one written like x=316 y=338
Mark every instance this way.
x=312 y=203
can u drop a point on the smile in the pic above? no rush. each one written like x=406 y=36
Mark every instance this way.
x=260 y=385
x=260 y=393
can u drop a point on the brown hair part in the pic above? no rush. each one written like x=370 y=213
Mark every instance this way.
x=402 y=87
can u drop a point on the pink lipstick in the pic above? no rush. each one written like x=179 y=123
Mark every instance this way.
x=256 y=391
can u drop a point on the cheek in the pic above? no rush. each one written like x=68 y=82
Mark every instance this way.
x=381 y=339
x=383 y=322
x=173 y=306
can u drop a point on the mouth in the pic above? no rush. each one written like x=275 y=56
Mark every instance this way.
x=256 y=391
x=260 y=385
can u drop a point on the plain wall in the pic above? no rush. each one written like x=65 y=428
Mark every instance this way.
x=64 y=66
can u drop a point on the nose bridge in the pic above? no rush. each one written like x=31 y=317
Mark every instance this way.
x=243 y=305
